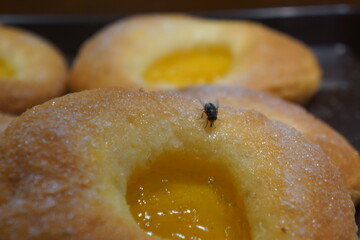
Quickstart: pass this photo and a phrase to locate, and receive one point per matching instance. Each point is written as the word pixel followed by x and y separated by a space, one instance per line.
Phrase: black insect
pixel 211 111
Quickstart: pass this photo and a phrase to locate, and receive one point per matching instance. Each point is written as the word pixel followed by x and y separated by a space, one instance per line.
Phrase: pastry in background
pixel 5 120
pixel 162 51
pixel 32 70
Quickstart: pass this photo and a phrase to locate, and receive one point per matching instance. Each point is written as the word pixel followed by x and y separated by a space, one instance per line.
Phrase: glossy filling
pixel 198 65
pixel 182 203
pixel 6 70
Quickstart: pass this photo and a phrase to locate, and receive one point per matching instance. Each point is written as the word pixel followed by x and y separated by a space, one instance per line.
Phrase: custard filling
pixel 199 65
pixel 178 203
pixel 6 70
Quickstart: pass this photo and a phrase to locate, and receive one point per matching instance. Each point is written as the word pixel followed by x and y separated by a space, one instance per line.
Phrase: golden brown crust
pixel 41 71
pixel 335 146
pixel 263 59
pixel 64 167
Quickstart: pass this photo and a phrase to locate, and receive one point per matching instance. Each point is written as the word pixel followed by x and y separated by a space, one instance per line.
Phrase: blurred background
pixel 130 6
pixel 329 27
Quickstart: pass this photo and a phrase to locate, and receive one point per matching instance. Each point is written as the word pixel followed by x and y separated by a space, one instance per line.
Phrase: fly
pixel 211 111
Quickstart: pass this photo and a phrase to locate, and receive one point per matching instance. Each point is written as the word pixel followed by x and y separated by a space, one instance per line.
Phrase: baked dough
pixel 335 146
pixel 31 70
pixel 169 51
pixel 80 167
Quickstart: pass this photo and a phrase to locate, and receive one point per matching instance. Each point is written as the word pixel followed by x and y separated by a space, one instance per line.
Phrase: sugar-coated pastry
pixel 161 51
pixel 31 70
pixel 123 164
pixel 335 146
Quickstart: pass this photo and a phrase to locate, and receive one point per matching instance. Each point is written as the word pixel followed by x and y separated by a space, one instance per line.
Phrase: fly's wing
pixel 202 102
pixel 202 109
pixel 217 104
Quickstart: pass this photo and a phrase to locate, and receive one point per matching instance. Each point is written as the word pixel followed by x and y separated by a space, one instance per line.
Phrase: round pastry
pixel 31 70
pixel 5 120
pixel 335 146
pixel 121 164
pixel 169 51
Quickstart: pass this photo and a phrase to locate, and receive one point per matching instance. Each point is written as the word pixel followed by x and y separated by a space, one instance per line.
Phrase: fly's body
pixel 211 111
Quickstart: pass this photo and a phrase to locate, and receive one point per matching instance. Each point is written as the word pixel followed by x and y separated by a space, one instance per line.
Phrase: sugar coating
pixel 335 146
pixel 64 167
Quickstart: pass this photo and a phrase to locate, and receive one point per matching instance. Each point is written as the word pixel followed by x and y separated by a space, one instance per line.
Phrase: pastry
pixel 5 120
pixel 162 51
pixel 122 164
pixel 31 70
pixel 335 146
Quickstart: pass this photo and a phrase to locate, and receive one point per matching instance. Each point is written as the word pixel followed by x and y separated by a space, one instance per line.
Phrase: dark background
pixel 131 6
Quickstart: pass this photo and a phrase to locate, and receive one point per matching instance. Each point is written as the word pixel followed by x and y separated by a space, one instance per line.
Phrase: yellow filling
pixel 6 70
pixel 198 65
pixel 178 203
